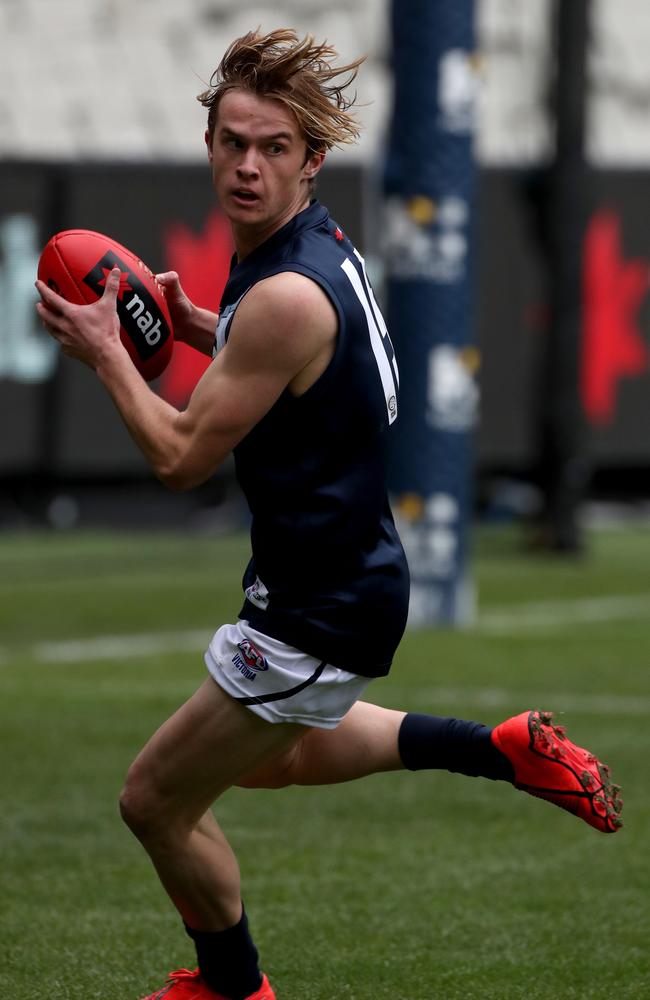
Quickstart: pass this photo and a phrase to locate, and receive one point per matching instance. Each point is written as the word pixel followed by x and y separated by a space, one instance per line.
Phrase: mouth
pixel 244 196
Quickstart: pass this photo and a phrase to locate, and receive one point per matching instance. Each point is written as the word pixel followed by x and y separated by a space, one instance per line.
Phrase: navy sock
pixel 431 742
pixel 228 960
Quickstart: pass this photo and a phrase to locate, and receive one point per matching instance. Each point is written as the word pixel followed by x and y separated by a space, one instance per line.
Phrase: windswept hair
pixel 298 73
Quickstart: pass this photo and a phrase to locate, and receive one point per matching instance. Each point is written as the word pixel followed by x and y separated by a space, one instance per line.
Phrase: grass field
pixel 401 887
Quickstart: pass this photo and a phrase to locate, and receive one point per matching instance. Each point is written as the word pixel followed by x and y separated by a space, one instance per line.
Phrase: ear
pixel 208 144
pixel 313 163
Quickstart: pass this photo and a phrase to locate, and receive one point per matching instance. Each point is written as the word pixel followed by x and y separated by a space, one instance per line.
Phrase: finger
pixel 53 301
pixel 112 285
pixel 49 317
pixel 168 278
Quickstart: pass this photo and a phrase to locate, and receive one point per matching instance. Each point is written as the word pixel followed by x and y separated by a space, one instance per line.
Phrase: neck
pixel 248 237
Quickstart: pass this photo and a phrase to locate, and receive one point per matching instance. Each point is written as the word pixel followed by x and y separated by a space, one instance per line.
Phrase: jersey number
pixel 380 342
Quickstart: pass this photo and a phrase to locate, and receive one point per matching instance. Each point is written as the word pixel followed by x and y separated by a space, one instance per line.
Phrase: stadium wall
pixel 58 424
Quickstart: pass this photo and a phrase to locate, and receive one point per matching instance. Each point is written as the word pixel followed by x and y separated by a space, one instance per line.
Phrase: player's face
pixel 260 167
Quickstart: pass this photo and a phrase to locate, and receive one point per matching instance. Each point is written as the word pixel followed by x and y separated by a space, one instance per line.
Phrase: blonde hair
pixel 298 73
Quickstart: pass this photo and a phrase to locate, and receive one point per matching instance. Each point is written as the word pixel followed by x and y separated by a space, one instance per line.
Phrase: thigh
pixel 365 742
pixel 203 749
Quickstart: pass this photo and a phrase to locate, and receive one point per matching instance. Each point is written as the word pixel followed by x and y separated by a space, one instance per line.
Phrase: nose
pixel 247 166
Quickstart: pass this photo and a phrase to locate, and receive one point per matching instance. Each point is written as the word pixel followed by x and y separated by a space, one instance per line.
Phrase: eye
pixel 275 148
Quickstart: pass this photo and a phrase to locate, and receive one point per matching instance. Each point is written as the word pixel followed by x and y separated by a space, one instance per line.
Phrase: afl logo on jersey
pixel 252 656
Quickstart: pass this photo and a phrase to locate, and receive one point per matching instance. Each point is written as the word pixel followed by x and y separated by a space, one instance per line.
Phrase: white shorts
pixel 278 682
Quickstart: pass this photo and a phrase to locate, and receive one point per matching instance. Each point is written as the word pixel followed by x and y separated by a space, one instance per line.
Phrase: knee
pixel 134 810
pixel 142 808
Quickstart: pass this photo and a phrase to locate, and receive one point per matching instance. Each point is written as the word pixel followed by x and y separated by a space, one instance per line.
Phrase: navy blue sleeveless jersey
pixel 328 573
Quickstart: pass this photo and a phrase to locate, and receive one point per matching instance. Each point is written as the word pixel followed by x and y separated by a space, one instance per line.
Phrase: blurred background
pixel 100 129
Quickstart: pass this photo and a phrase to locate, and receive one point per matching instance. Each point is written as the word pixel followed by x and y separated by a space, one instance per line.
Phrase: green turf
pixel 400 887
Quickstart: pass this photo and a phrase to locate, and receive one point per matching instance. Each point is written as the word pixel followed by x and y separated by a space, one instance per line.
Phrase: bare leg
pixel 194 757
pixel 365 742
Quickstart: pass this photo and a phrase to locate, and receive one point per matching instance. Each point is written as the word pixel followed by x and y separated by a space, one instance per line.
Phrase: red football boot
pixel 550 766
pixel 186 985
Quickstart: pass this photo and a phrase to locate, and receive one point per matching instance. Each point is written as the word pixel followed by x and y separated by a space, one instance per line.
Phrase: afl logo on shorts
pixel 252 656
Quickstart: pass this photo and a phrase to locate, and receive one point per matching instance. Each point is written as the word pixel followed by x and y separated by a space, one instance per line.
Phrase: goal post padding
pixel 429 187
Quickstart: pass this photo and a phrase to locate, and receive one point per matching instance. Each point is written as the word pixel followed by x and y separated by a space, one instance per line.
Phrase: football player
pixel 303 389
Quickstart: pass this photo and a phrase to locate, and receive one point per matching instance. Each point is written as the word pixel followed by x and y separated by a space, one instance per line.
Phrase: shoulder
pixel 287 293
pixel 287 310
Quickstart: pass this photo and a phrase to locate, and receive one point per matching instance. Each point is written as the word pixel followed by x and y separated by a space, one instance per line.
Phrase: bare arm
pixel 283 335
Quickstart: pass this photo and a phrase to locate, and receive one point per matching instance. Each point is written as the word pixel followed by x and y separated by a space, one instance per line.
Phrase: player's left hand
pixel 180 307
pixel 84 332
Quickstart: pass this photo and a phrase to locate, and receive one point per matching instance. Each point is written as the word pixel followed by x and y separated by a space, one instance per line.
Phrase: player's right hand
pixel 84 332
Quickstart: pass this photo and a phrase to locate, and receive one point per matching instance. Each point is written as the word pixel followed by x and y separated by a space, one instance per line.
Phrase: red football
pixel 76 262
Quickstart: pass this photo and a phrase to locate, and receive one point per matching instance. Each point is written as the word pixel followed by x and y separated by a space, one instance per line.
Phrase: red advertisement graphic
pixel 613 344
pixel 202 261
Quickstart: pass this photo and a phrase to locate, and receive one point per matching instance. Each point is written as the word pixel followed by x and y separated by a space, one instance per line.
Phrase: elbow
pixel 178 477
pixel 176 481
pixel 186 462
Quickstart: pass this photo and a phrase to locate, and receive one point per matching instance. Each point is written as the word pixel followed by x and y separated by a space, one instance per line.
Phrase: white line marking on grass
pixel 503 620
pixel 124 647
pixel 557 614
pixel 121 647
